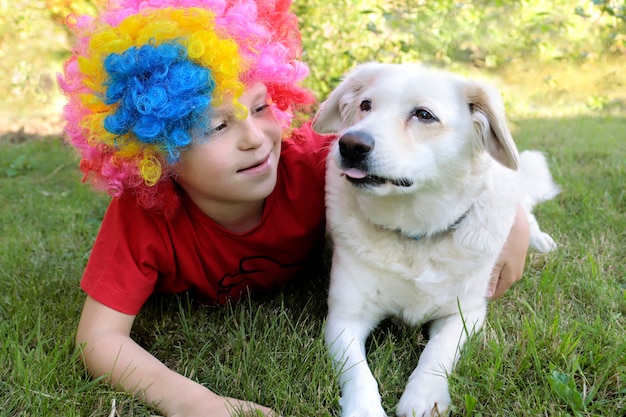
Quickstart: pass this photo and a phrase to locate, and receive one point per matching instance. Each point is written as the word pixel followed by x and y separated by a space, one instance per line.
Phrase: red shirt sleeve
pixel 129 251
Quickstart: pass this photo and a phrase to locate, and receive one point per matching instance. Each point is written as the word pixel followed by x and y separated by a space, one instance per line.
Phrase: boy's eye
pixel 214 129
pixel 261 108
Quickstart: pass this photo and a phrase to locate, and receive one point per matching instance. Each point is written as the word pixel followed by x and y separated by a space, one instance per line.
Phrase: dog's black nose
pixel 355 146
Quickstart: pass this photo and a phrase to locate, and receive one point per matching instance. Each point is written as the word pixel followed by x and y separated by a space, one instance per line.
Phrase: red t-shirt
pixel 138 253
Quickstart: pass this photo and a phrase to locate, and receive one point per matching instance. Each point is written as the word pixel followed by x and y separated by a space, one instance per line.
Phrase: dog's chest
pixel 412 279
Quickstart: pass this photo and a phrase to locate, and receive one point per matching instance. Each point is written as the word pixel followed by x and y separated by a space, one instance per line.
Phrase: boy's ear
pixel 339 108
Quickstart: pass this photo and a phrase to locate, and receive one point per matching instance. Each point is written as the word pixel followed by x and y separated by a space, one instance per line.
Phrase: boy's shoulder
pixel 306 138
pixel 125 217
pixel 305 144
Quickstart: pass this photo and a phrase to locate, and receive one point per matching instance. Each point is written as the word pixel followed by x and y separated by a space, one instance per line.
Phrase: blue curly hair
pixel 161 95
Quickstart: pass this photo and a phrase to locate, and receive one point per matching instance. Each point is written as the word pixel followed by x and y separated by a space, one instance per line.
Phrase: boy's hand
pixel 209 404
pixel 510 264
pixel 194 400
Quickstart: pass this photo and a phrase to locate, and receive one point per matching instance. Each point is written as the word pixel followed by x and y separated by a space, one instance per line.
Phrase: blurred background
pixel 549 58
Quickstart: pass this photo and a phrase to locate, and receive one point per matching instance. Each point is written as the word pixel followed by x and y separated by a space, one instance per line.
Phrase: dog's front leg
pixel 345 339
pixel 427 391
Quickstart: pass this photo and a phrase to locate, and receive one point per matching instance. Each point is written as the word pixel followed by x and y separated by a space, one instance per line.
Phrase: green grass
pixel 554 345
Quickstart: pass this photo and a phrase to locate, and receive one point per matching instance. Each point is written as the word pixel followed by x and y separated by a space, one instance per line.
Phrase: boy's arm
pixel 510 264
pixel 104 337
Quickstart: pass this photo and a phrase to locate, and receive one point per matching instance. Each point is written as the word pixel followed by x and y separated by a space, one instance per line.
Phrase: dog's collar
pixel 449 229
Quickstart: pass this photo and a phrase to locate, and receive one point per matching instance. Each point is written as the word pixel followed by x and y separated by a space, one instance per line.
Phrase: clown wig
pixel 144 75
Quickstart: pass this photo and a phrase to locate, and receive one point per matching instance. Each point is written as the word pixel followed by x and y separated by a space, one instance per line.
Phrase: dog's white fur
pixel 421 251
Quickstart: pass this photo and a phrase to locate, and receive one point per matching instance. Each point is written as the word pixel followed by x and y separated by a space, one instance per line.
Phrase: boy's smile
pixel 259 168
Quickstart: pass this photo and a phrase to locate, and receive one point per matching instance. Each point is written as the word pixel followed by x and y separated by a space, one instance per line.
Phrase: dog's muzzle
pixel 355 148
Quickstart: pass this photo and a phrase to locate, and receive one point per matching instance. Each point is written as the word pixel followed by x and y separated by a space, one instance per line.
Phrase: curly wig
pixel 145 73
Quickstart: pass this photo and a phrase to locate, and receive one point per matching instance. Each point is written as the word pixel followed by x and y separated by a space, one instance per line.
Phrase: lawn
pixel 554 345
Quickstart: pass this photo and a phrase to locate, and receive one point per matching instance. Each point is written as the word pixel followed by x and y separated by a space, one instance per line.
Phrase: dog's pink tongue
pixel 354 173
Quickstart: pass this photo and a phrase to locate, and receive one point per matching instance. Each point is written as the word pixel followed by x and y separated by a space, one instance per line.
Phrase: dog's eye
pixel 424 115
pixel 366 105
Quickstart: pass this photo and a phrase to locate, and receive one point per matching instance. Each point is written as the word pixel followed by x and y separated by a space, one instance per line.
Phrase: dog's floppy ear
pixel 490 123
pixel 338 106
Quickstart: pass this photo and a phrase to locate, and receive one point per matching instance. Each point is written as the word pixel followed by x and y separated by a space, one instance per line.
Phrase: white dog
pixel 422 190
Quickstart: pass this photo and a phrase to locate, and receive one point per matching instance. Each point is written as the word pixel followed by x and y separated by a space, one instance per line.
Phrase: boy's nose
pixel 251 134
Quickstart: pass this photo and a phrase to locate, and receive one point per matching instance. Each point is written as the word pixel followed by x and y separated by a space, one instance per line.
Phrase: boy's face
pixel 237 161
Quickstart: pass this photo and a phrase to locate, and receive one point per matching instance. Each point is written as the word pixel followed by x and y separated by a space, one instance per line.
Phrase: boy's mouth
pixel 256 168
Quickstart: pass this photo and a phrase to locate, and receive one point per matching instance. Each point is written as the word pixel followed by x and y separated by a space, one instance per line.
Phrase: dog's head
pixel 402 126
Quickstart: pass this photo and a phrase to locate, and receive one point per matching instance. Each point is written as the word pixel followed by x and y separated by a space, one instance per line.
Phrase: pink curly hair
pixel 238 41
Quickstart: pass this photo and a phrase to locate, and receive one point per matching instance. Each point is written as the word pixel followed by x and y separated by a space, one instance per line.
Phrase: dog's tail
pixel 537 182
pixel 537 186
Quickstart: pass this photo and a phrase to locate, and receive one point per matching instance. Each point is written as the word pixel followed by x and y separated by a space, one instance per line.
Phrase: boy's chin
pixel 263 190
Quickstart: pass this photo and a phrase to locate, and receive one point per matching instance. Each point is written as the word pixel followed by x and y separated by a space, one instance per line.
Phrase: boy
pixel 181 111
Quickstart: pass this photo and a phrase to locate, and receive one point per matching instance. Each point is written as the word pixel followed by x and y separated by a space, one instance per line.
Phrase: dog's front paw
pixel 424 402
pixel 362 407
pixel 542 242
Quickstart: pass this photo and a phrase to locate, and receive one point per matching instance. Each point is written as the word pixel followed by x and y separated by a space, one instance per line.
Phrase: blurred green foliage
pixel 483 33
